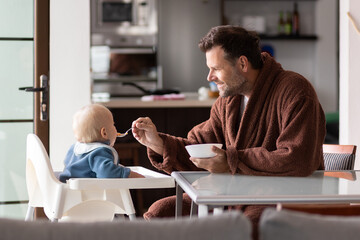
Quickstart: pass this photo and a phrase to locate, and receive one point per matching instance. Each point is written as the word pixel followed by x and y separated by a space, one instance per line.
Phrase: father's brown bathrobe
pixel 280 133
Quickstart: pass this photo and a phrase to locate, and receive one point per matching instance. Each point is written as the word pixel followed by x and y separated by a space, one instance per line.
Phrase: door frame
pixel 41 66
pixel 41 63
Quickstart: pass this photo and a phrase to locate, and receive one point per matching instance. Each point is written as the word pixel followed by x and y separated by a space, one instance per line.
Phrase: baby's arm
pixel 101 162
pixel 135 175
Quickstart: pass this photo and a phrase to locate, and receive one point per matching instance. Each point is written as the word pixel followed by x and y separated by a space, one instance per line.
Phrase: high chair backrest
pixel 43 187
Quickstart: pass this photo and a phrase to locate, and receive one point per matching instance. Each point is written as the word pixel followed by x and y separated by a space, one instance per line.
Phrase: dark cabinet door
pixel 180 121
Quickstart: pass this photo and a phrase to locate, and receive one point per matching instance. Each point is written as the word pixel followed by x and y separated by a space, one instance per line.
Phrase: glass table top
pixel 320 187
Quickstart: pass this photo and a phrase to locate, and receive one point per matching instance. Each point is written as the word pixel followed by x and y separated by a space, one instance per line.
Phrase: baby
pixel 93 155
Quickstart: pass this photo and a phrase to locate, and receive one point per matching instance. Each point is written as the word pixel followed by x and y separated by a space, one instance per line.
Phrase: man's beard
pixel 234 89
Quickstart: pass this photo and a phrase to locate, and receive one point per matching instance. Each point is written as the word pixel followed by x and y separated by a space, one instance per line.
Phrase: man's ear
pixel 103 133
pixel 243 63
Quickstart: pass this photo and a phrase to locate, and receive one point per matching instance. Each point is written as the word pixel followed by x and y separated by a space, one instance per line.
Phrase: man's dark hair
pixel 235 41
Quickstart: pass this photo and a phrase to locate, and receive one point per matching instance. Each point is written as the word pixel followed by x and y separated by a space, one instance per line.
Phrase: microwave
pixel 119 23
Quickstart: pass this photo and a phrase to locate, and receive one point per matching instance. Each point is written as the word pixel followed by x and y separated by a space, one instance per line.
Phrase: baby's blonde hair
pixel 88 121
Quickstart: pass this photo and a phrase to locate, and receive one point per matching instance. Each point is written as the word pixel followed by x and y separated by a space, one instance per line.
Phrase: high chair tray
pixel 152 180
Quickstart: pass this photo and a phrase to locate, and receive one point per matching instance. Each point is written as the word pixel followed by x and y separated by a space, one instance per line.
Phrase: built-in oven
pixel 119 23
pixel 124 47
pixel 124 72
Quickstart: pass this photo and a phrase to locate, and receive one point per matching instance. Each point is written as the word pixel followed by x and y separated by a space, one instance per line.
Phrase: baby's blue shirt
pixel 94 163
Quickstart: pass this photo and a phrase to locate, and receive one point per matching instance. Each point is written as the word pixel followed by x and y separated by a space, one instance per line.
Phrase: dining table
pixel 214 191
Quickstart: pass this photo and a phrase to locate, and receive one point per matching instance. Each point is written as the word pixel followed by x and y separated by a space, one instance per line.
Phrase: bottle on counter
pixel 281 23
pixel 214 91
pixel 295 21
pixel 288 24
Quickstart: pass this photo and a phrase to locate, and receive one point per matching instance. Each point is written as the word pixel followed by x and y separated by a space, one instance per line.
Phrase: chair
pixel 339 157
pixel 336 157
pixel 59 201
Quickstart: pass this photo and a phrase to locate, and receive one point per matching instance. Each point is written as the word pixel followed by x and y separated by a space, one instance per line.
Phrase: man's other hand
pixel 217 164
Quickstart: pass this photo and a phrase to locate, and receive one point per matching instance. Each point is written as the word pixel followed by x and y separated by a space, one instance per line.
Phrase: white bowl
pixel 202 150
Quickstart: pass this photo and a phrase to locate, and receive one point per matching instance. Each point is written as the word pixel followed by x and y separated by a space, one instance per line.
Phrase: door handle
pixel 32 89
pixel 44 96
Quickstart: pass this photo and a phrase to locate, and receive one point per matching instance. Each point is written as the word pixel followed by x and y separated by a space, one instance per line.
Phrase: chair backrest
pixel 285 225
pixel 339 157
pixel 42 185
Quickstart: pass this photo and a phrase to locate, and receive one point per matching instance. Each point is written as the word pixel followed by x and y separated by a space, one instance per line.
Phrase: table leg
pixel 179 200
pixel 132 217
pixel 203 210
pixel 218 210
pixel 194 209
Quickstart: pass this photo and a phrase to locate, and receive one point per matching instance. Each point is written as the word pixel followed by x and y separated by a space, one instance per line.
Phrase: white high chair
pixel 60 202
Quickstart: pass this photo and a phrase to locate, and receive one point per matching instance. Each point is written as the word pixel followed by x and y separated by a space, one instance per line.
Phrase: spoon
pixel 123 134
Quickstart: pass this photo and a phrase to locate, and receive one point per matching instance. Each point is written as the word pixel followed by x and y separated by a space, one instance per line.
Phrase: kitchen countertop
pixel 191 101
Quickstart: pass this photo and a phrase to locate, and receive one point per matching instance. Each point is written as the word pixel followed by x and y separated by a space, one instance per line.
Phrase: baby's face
pixel 110 128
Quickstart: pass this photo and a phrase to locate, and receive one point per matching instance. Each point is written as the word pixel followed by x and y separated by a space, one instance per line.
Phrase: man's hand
pixel 144 131
pixel 217 164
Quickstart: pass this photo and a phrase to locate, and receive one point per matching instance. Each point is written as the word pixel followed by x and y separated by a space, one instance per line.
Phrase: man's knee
pixel 165 207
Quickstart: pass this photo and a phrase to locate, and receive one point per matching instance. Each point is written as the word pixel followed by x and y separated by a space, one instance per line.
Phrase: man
pixel 269 120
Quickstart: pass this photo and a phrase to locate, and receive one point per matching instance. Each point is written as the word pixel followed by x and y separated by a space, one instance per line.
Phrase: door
pixel 23 58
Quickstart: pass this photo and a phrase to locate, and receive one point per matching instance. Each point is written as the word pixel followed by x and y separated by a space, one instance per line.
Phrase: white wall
pixel 326 59
pixel 350 75
pixel 182 23
pixel 69 71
